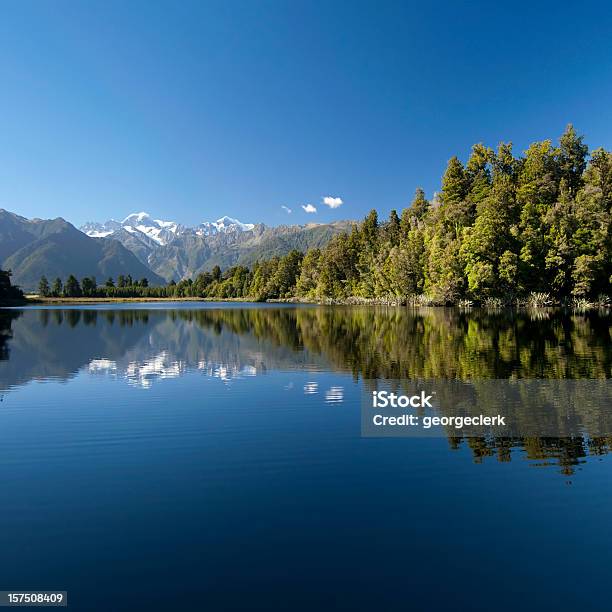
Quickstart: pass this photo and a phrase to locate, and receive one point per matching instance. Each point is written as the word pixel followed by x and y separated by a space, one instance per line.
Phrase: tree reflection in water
pixel 368 342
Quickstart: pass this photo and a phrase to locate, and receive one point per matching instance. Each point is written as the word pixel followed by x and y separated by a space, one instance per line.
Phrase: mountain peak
pixel 224 224
pixel 138 217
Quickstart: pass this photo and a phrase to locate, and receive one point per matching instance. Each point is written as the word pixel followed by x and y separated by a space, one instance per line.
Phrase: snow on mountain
pixel 223 225
pixel 160 231
pixel 100 230
pixel 99 234
pixel 137 219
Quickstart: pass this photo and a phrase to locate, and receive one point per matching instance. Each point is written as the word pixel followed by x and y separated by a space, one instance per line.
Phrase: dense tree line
pixel 88 287
pixel 501 230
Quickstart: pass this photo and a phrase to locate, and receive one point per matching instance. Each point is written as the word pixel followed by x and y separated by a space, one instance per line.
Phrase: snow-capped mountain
pixel 162 232
pixel 223 225
pixel 158 230
pixel 100 230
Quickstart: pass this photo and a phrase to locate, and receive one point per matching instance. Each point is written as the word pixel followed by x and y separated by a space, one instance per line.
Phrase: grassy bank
pixel 531 301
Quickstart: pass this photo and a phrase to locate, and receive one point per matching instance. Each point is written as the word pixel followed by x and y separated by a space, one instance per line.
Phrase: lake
pixel 209 456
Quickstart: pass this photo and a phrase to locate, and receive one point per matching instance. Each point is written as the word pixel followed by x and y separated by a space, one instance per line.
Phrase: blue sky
pixel 195 110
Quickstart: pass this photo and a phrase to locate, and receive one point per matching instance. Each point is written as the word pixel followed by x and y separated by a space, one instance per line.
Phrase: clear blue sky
pixel 194 110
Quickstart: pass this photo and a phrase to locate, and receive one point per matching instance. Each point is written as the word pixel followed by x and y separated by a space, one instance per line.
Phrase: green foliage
pixel 8 292
pixel 418 209
pixel 478 174
pixel 72 287
pixel 57 289
pixel 283 282
pixel 88 286
pixel 393 229
pixel 571 158
pixel 369 230
pixel 43 287
pixel 309 274
pixel 454 182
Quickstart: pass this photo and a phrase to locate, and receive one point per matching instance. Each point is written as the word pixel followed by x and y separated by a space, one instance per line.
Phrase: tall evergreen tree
pixel 571 158
pixel 369 230
pixel 454 182
pixel 419 205
pixel 88 286
pixel 478 175
pixel 393 228
pixel 559 258
pixel 43 287
pixel 57 288
pixel 72 287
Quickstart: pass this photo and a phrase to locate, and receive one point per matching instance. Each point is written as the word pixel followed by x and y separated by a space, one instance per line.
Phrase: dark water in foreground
pixel 181 459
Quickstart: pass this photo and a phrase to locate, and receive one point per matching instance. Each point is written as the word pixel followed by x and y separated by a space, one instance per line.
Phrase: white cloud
pixel 332 202
pixel 309 208
pixel 286 209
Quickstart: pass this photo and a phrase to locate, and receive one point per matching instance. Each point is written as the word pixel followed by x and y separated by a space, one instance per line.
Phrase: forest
pixel 503 229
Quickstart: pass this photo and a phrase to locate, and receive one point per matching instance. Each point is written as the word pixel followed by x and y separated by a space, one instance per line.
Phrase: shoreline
pixel 34 300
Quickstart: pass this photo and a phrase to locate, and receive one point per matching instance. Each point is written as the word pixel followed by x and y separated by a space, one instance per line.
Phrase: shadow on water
pixel 369 343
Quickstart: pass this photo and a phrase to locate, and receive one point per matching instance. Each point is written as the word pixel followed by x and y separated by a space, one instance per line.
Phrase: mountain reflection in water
pixel 143 347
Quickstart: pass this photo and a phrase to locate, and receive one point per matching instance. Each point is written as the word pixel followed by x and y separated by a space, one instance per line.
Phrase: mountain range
pixel 144 247
pixel 160 231
pixel 175 251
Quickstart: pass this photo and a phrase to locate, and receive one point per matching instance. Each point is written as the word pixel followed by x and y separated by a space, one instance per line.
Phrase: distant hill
pixel 32 248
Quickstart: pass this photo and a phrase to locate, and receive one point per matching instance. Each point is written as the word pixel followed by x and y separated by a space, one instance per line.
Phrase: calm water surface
pixel 175 457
